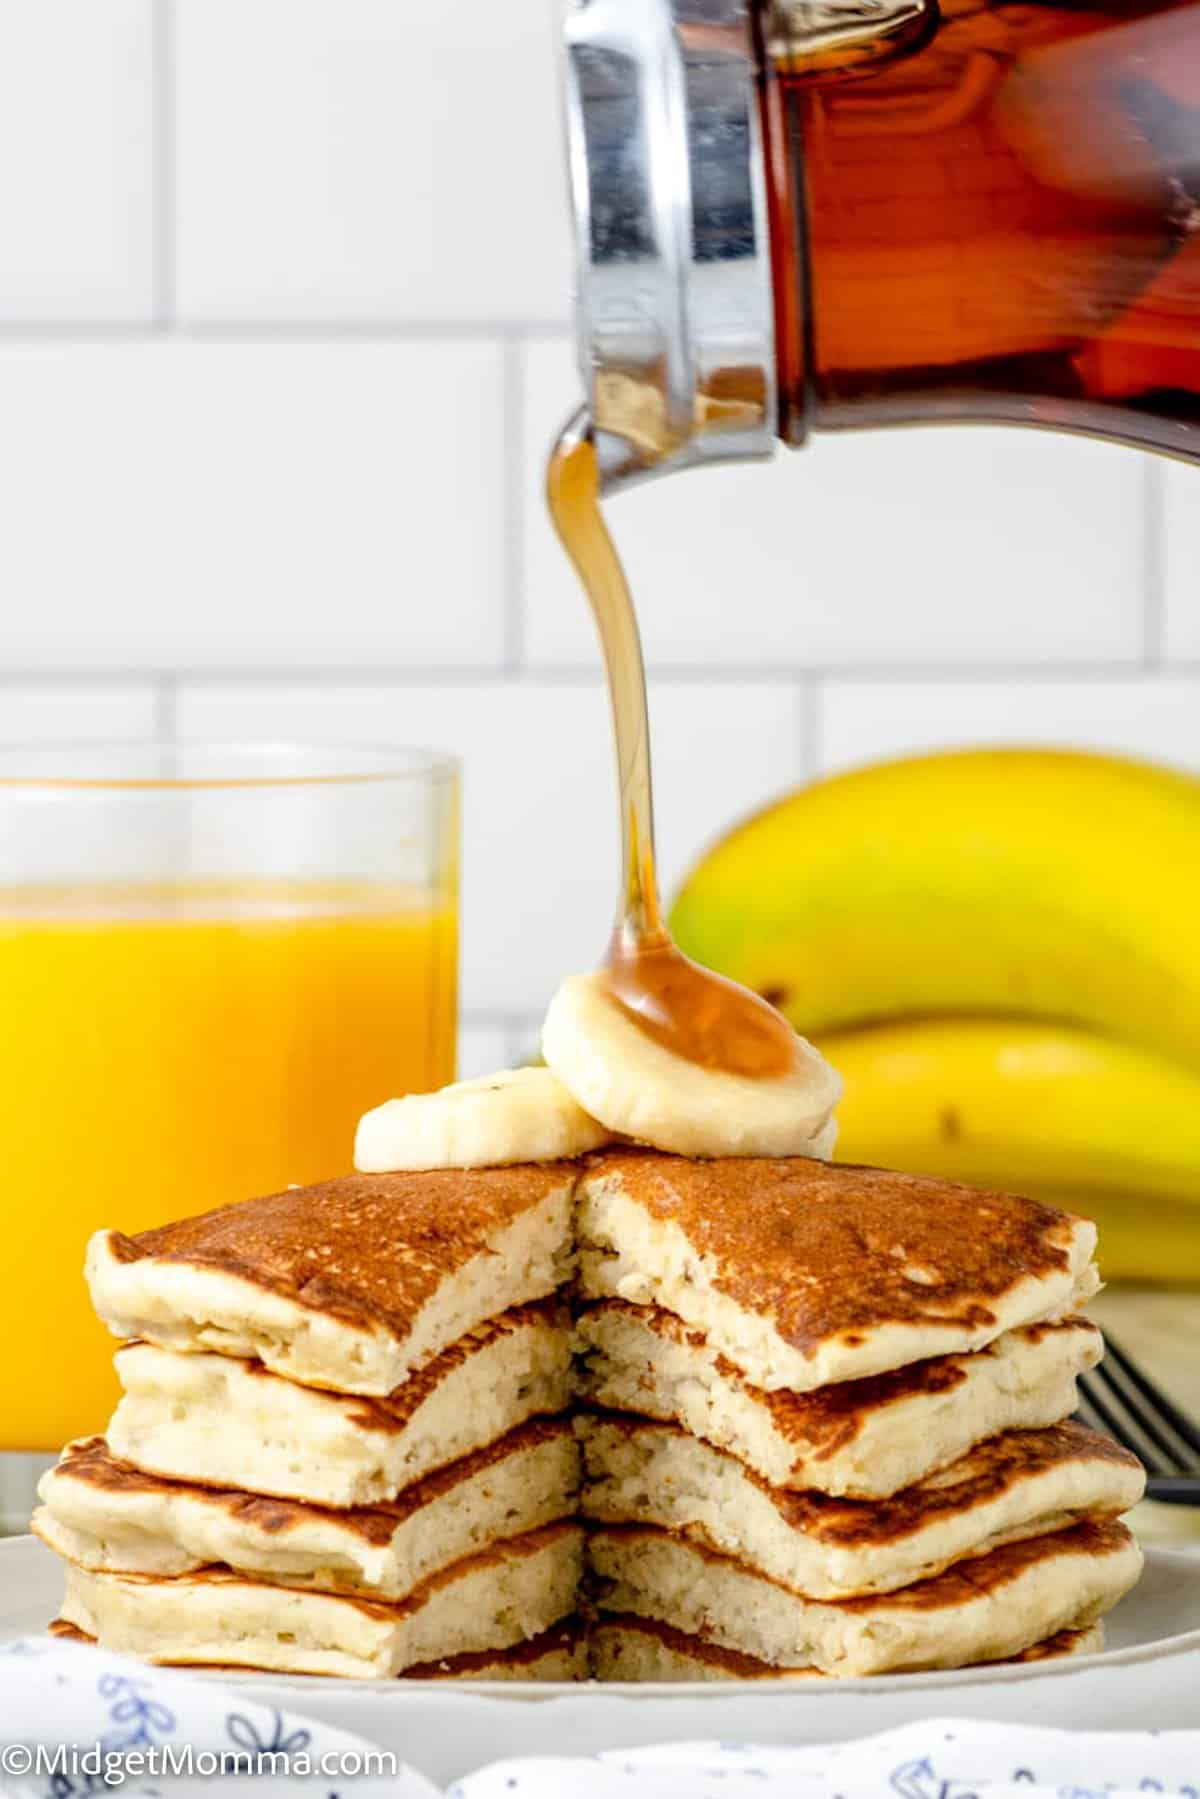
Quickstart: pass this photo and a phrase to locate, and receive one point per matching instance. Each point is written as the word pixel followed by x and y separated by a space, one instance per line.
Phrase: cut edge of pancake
pixel 108 1517
pixel 985 1610
pixel 626 1648
pixel 494 1601
pixel 1010 1489
pixel 556 1654
pixel 183 1303
pixel 626 1252
pixel 882 1434
pixel 243 1424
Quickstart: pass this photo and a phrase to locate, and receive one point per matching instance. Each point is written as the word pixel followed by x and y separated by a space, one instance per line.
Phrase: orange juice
pixel 164 1051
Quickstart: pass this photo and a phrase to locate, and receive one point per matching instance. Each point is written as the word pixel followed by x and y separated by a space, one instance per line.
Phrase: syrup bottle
pixel 807 215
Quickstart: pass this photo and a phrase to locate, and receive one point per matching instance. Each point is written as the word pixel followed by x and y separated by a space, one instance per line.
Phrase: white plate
pixel 1148 1678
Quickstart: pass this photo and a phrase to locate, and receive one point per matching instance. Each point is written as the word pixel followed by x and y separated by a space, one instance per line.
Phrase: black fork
pixel 1120 1399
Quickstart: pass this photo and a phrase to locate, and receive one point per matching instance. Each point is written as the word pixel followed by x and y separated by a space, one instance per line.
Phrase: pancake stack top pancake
pixel 821 1412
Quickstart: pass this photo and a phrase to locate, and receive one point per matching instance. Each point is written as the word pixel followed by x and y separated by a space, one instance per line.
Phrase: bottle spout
pixel 675 316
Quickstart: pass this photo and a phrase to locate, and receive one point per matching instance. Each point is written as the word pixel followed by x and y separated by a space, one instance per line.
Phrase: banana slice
pixel 641 1090
pixel 823 1142
pixel 517 1115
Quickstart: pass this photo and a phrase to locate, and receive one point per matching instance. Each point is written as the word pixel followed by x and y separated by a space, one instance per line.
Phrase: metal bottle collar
pixel 675 315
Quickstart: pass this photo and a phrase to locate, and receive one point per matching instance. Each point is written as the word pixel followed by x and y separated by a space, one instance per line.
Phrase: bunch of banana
pixel 1000 952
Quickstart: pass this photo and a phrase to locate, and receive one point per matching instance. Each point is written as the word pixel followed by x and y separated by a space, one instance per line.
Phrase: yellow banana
pixel 1096 1126
pixel 1026 882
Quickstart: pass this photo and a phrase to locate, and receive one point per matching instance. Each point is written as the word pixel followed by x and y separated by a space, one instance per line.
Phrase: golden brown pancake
pixel 985 1474
pixel 866 1437
pixel 228 1422
pixel 804 1273
pixel 559 1653
pixel 104 1514
pixel 984 1609
pixel 629 1648
pixel 353 1284
pixel 491 1601
pixel 1021 1485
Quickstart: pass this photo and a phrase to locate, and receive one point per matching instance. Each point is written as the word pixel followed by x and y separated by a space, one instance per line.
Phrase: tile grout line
pixel 512 460
pixel 298 331
pixel 166 709
pixel 164 154
pixel 483 328
pixel 697 674
pixel 900 674
pixel 810 724
pixel 17 333
pixel 1154 610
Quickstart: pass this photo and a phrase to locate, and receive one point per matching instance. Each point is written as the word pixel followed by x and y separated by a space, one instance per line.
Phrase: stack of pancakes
pixel 822 1414
pixel 343 1446
pixel 829 1428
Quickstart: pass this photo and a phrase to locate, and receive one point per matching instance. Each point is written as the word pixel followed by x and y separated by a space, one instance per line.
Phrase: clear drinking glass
pixel 213 959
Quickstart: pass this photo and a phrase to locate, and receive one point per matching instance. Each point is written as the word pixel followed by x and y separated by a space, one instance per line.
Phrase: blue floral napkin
pixel 77 1722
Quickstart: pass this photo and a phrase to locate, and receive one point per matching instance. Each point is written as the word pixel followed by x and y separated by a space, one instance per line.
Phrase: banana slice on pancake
pixel 824 1141
pixel 516 1115
pixel 640 1089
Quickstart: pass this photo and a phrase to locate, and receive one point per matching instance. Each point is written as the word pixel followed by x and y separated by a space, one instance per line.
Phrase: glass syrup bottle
pixel 807 215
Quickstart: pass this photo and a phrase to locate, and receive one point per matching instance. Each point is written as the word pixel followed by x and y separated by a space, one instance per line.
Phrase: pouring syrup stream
pixel 697 1015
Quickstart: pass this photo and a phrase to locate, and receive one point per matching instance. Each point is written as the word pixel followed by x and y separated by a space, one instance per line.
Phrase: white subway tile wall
pixel 284 301
pixel 77 162
pixel 368 159
pixel 1181 565
pixel 74 712
pixel 266 504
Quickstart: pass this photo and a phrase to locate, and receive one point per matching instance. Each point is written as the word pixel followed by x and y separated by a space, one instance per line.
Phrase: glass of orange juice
pixel 213 959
